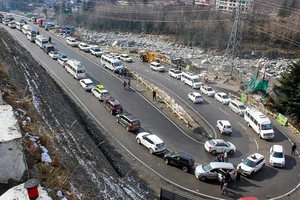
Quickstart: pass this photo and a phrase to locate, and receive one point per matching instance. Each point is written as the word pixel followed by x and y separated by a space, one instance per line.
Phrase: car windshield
pixel 89 84
pixel 160 145
pixel 44 41
pixel 117 64
pixel 84 45
pixel 210 89
pixel 226 143
pixel 198 97
pixel 196 80
pixel 81 71
pixel 225 97
pixel 117 106
pixel 96 49
pixel 206 167
pixel 266 126
pixel 73 40
pixel 177 72
pixel 135 123
pixel 126 56
pixel 242 107
pixel 249 163
pixel 278 154
pixel 105 93
pixel 211 142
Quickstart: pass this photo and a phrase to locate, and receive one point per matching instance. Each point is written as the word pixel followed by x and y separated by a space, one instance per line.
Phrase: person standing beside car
pixel 294 147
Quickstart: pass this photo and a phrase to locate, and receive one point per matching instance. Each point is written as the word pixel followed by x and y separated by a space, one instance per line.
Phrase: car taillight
pixel 112 107
pixel 130 124
pixel 222 129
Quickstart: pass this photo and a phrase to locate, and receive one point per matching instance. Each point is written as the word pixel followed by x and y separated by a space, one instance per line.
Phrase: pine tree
pixel 290 87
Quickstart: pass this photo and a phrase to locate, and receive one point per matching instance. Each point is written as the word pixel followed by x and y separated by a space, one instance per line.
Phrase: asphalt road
pixel 262 184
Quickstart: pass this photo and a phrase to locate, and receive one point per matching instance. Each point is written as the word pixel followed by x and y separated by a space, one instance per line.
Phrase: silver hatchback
pixel 213 169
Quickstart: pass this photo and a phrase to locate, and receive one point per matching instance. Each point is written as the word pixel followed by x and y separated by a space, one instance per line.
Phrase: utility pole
pixel 234 43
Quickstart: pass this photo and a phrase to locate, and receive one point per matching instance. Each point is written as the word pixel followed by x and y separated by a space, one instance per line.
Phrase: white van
pixel 260 123
pixel 26 28
pixel 191 79
pixel 157 67
pixel 19 25
pixel 237 107
pixel 111 63
pixel 76 69
pixel 31 35
pixel 41 41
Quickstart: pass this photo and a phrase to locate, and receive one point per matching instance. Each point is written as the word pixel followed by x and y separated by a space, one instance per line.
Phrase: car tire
pixel 167 161
pixel 127 128
pixel 185 169
pixel 151 151
pixel 259 135
pixel 214 152
pixel 138 141
pixel 251 175
pixel 231 151
pixel 203 178
pixel 248 124
pixel 111 112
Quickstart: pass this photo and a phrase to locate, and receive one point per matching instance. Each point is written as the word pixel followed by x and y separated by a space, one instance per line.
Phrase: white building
pixel 12 162
pixel 229 5
pixel 204 2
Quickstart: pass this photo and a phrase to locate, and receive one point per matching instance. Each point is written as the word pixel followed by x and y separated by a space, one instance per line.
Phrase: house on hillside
pixel 230 5
pixel 204 2
pixel 12 159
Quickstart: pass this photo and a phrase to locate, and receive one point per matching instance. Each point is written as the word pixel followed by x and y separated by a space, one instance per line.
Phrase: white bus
pixel 41 41
pixel 191 79
pixel 19 25
pixel 260 123
pixel 111 63
pixel 26 28
pixel 76 69
pixel 31 35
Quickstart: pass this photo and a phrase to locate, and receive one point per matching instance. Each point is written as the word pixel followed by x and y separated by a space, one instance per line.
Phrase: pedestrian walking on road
pixel 294 147
pixel 124 84
pixel 224 189
pixel 238 173
pixel 154 95
pixel 120 72
pixel 227 177
pixel 125 72
pixel 225 157
pixel 129 83
pixel 222 181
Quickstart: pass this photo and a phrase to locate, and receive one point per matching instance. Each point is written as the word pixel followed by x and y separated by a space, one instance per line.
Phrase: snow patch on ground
pixel 45 156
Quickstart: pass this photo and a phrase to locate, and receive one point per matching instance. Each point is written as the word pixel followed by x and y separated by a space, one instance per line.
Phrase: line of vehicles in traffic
pixel 152 142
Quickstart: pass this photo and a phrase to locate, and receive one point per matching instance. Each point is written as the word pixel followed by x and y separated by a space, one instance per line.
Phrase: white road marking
pixel 242 126
pixel 223 111
pixel 256 143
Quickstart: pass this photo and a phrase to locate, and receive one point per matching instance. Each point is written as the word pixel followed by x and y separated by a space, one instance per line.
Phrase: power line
pixel 286 8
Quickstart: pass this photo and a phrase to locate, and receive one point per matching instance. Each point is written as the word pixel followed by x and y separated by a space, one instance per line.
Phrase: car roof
pixel 222 93
pixel 155 139
pixel 226 165
pixel 87 80
pixel 130 116
pixel 237 102
pixel 225 122
pixel 257 155
pixel 277 148
pixel 114 102
pixel 219 141
pixel 103 90
pixel 155 63
pixel 196 93
pixel 83 43
pixel 184 155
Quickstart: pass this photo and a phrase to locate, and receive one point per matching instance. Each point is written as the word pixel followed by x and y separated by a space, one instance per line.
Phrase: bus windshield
pixel 196 80
pixel 117 64
pixel 266 126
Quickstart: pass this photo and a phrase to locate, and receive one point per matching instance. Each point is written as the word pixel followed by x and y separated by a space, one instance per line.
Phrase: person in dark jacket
pixel 294 147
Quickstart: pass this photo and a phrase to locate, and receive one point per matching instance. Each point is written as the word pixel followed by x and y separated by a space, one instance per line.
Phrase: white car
pixel 115 55
pixel 86 84
pixel 5 21
pixel 152 142
pixel 224 126
pixel 96 51
pixel 72 42
pixel 157 67
pixel 102 95
pixel 252 164
pixel 222 97
pixel 62 60
pixel 175 73
pixel 54 54
pixel 195 97
pixel 215 146
pixel 12 24
pixel 84 47
pixel 277 157
pixel 126 58
pixel 208 91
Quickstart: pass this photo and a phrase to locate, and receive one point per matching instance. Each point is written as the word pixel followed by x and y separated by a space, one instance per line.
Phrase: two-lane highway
pixel 154 121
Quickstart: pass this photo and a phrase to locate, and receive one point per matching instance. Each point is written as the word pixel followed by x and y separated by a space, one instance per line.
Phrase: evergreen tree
pixel 284 9
pixel 290 87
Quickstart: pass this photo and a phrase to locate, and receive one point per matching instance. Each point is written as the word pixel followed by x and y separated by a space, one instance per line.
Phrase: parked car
pixel 156 67
pixel 129 121
pixel 208 91
pixel 113 106
pixel 224 127
pixel 175 73
pixel 215 146
pixel 126 58
pixel 152 142
pixel 62 60
pixel 84 47
pixel 102 95
pixel 212 170
pixel 277 156
pixel 180 160
pixel 222 97
pixel 96 51
pixel 237 107
pixel 72 42
pixel 54 54
pixel 86 84
pixel 252 164
pixel 195 97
